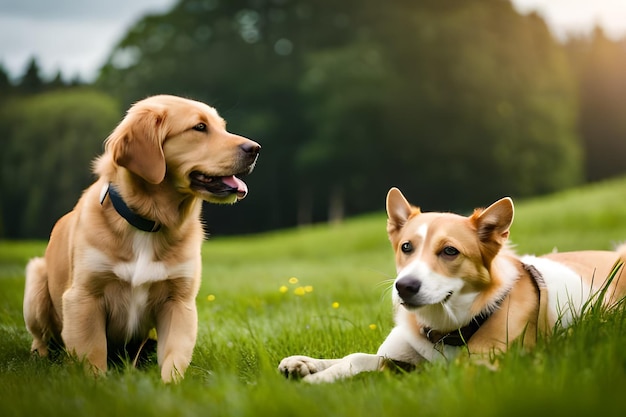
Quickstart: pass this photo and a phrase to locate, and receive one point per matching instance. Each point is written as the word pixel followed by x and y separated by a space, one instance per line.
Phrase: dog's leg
pixel 177 327
pixel 401 347
pixel 84 327
pixel 395 348
pixel 38 309
pixel 302 366
pixel 329 370
pixel 406 346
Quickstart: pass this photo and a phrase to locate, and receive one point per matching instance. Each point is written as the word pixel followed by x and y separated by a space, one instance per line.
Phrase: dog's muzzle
pixel 223 186
pixel 408 288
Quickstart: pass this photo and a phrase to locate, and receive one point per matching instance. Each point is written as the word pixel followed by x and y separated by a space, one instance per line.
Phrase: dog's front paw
pixel 298 366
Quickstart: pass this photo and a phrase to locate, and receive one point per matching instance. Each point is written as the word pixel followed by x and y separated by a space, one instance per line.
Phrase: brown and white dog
pixel 126 259
pixel 460 287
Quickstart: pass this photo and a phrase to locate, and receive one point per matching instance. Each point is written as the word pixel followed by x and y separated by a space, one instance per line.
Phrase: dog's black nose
pixel 251 147
pixel 407 287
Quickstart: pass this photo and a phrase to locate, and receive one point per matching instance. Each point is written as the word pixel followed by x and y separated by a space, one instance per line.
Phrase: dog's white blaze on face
pixel 422 231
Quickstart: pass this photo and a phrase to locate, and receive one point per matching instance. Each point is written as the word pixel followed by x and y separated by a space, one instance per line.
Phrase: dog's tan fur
pixel 103 283
pixel 453 269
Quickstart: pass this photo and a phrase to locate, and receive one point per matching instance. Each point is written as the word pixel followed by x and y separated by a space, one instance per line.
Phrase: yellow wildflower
pixel 308 288
pixel 335 304
pixel 299 291
pixel 283 289
pixel 372 326
pixel 210 297
pixel 293 280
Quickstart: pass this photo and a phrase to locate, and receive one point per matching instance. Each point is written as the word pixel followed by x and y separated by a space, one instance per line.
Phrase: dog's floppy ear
pixel 137 144
pixel 399 210
pixel 494 222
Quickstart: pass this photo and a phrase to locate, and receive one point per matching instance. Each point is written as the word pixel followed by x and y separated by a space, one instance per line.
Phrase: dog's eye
pixel 200 127
pixel 450 251
pixel 407 247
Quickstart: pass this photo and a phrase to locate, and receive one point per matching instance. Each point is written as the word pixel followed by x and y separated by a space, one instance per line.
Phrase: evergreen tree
pixel 56 83
pixel 31 81
pixel 5 82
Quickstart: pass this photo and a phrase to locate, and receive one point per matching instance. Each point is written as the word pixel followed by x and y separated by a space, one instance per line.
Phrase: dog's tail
pixel 38 309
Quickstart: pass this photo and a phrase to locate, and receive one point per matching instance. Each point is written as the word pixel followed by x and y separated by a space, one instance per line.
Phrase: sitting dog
pixel 460 287
pixel 126 259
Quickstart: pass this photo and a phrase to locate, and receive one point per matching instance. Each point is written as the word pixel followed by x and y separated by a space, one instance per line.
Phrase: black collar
pixel 123 210
pixel 460 337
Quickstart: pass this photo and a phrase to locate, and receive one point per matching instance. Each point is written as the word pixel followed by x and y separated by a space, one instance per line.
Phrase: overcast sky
pixel 76 36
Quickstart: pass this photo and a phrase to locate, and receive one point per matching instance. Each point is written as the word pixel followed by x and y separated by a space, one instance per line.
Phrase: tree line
pixel 457 103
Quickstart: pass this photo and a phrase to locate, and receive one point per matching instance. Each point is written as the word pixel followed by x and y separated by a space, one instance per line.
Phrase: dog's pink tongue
pixel 234 182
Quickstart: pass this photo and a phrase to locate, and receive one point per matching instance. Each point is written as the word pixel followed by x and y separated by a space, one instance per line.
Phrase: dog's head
pixel 444 259
pixel 185 142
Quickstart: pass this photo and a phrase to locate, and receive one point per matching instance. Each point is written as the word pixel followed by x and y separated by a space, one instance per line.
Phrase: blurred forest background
pixel 458 103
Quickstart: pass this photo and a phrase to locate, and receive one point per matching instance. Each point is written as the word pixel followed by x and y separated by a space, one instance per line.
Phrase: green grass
pixel 248 325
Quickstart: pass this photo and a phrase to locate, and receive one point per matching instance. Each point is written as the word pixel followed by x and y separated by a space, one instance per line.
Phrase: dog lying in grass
pixel 460 287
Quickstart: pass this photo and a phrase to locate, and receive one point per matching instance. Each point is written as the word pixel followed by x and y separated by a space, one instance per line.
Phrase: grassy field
pixel 324 291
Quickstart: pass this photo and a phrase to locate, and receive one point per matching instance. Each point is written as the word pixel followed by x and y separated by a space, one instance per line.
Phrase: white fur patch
pixel 139 272
pixel 142 268
pixel 136 307
pixel 434 289
pixel 422 231
pixel 567 293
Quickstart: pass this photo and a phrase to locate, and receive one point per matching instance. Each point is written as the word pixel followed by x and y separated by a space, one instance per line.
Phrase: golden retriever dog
pixel 126 259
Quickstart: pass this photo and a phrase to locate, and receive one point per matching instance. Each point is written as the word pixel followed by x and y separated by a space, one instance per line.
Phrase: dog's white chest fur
pixel 136 307
pixel 142 268
pixel 140 272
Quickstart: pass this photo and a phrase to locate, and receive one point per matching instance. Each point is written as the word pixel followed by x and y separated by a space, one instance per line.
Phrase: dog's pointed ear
pixel 137 144
pixel 494 222
pixel 399 210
